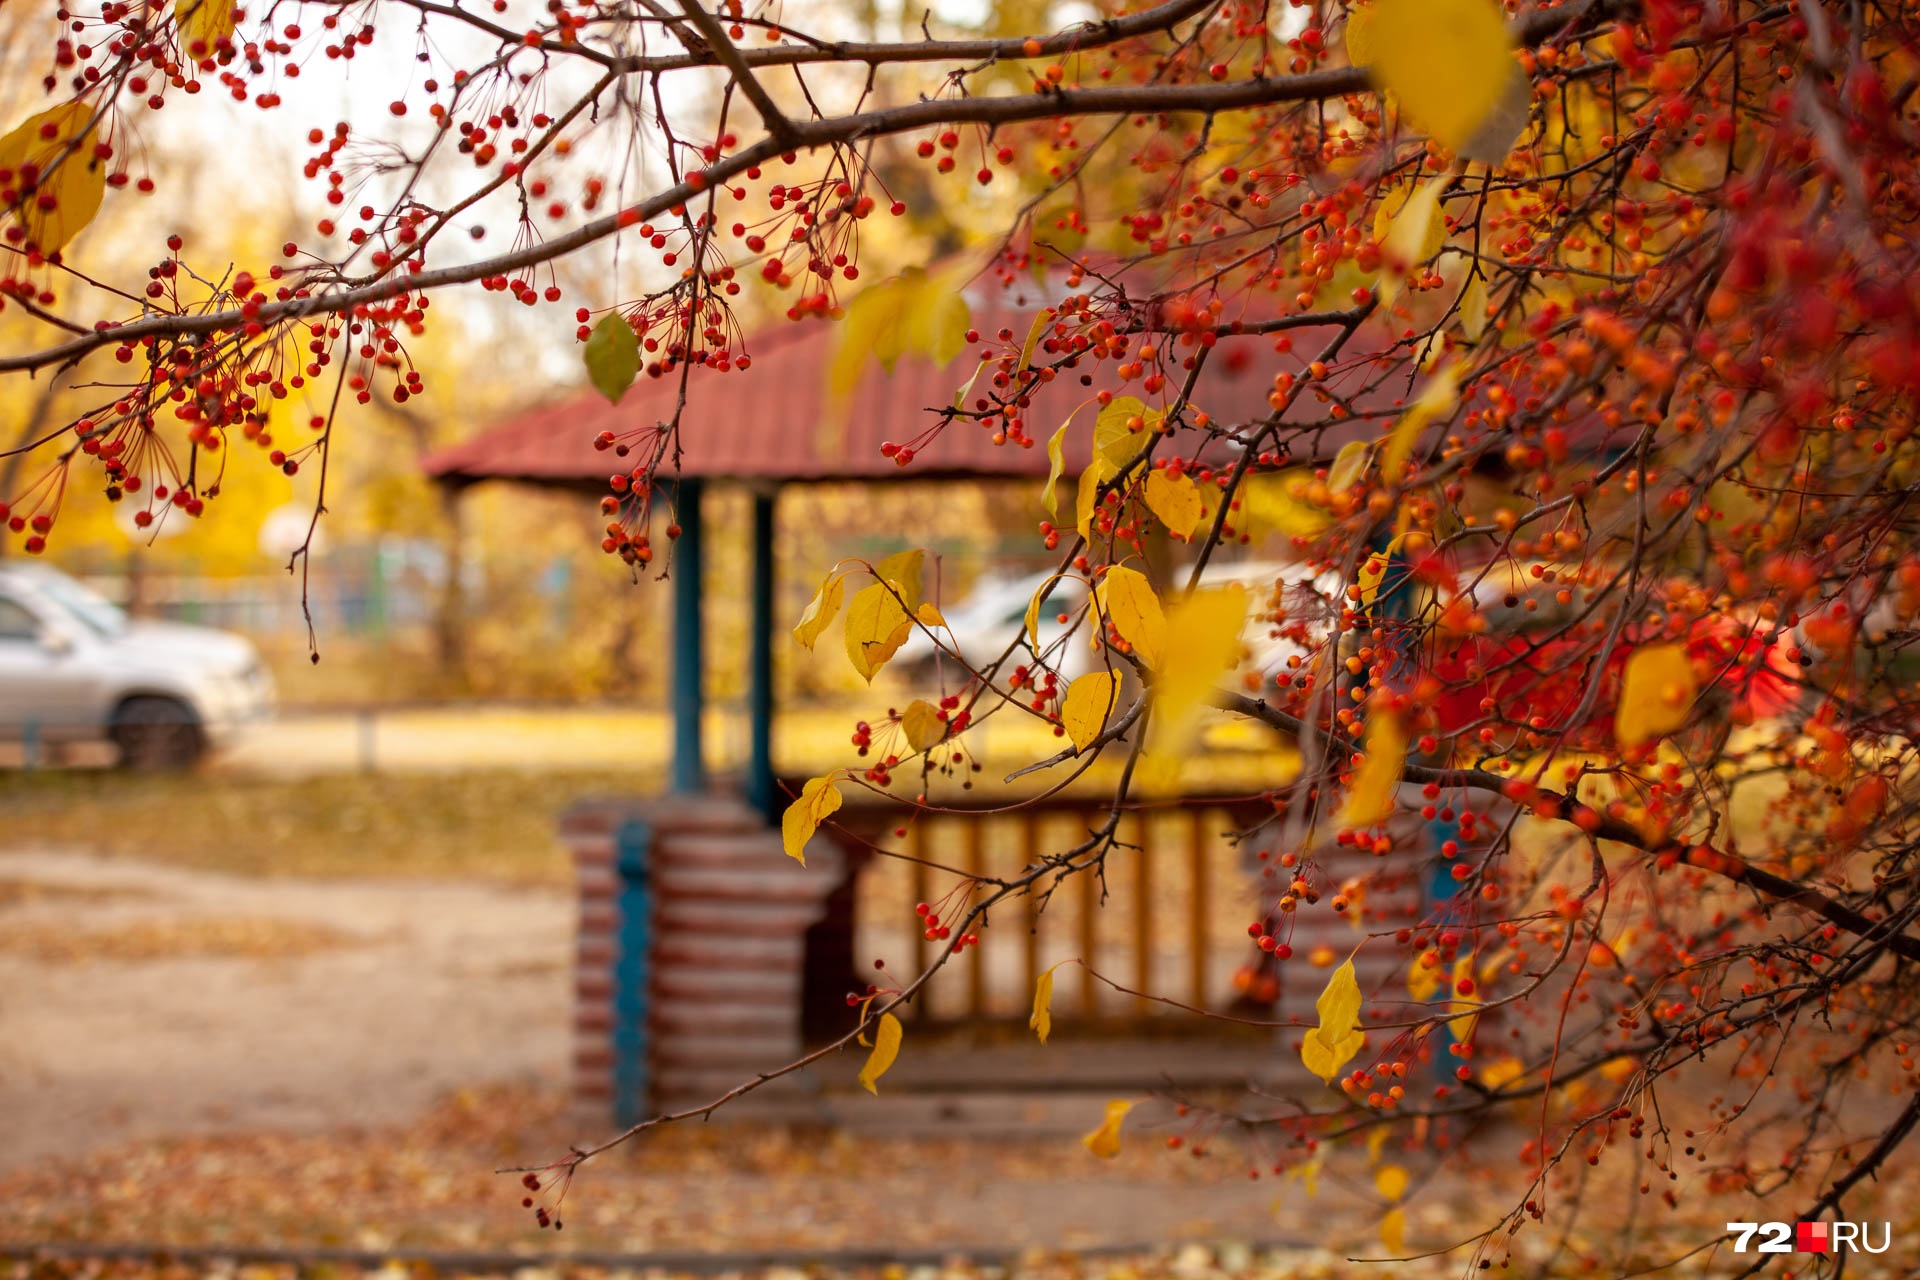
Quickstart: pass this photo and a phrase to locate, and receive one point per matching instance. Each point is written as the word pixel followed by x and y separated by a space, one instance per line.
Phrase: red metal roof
pixel 774 420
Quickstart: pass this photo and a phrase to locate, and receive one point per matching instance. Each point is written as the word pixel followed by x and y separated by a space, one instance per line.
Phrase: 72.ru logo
pixel 1808 1237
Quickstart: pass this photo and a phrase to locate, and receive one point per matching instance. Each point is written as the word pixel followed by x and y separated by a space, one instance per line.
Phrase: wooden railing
pixel 1168 918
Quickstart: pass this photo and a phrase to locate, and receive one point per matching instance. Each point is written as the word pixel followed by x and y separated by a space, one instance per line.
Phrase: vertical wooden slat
pixel 1143 913
pixel 1089 943
pixel 1197 909
pixel 976 969
pixel 1030 905
pixel 917 876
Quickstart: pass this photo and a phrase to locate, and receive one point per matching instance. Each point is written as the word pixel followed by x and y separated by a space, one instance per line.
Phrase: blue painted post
pixel 689 764
pixel 760 780
pixel 632 972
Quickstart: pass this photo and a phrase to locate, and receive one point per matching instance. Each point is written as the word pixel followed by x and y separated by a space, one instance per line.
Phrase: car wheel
pixel 155 734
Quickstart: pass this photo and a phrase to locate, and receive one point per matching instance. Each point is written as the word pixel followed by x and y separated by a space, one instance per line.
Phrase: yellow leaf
pixel 1370 802
pixel 1176 500
pixel 1040 323
pixel 877 625
pixel 1422 980
pixel 928 616
pixel 1393 1231
pixel 1332 1044
pixel 1407 224
pixel 1041 1019
pixel 1033 613
pixel 886 1047
pixel 922 725
pixel 818 801
pixel 1097 474
pixel 937 320
pixel 1056 462
pixel 1390 1180
pixel 51 182
pixel 820 610
pixel 203 24
pixel 1502 1072
pixel 1473 308
pixel 1349 465
pixel 1449 62
pixel 1373 571
pixel 1128 602
pixel 1464 1008
pixel 1359 39
pixel 1202 644
pixel 1273 501
pixel 1435 400
pixel 1105 1141
pixel 1085 709
pixel 902 568
pixel 1656 694
pixel 1115 440
pixel 874 327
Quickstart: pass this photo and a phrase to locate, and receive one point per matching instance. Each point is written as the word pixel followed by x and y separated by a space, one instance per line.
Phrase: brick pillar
pixel 727 976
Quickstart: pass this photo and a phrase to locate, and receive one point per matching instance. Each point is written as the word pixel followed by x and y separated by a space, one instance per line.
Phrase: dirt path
pixel 141 1001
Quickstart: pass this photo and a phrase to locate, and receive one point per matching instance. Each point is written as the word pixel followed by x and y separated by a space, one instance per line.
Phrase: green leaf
pixel 612 356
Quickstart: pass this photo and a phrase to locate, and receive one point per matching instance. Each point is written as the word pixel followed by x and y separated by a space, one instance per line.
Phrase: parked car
pixel 75 668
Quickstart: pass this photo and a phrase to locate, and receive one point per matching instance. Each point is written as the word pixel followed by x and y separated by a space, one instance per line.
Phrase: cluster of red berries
pixel 937 932
pixel 540 1214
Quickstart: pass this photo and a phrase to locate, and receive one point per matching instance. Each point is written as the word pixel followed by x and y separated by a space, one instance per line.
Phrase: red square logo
pixel 1811 1237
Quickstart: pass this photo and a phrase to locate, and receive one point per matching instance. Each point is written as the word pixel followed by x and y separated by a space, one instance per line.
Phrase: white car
pixel 75 668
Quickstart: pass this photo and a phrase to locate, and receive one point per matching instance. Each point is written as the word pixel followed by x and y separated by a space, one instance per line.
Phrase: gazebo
pixel 673 1007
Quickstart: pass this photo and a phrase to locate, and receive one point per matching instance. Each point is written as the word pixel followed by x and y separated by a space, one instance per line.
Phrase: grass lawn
pixel 495 825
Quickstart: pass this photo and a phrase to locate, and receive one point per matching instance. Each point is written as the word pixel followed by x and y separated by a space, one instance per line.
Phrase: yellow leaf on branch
pixel 821 610
pixel 1463 1005
pixel 1202 645
pixel 1375 782
pixel 1105 1141
pixel 817 802
pixel 51 182
pixel 1097 473
pixel 1275 502
pixel 1332 1044
pixel 877 625
pixel 1449 63
pixel 902 569
pixel 1033 613
pixel 1128 602
pixel 1124 428
pixel 922 725
pixel 1437 399
pixel 886 1047
pixel 1176 500
pixel 1041 1019
pixel 1656 694
pixel 1056 463
pixel 1089 701
pixel 203 25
